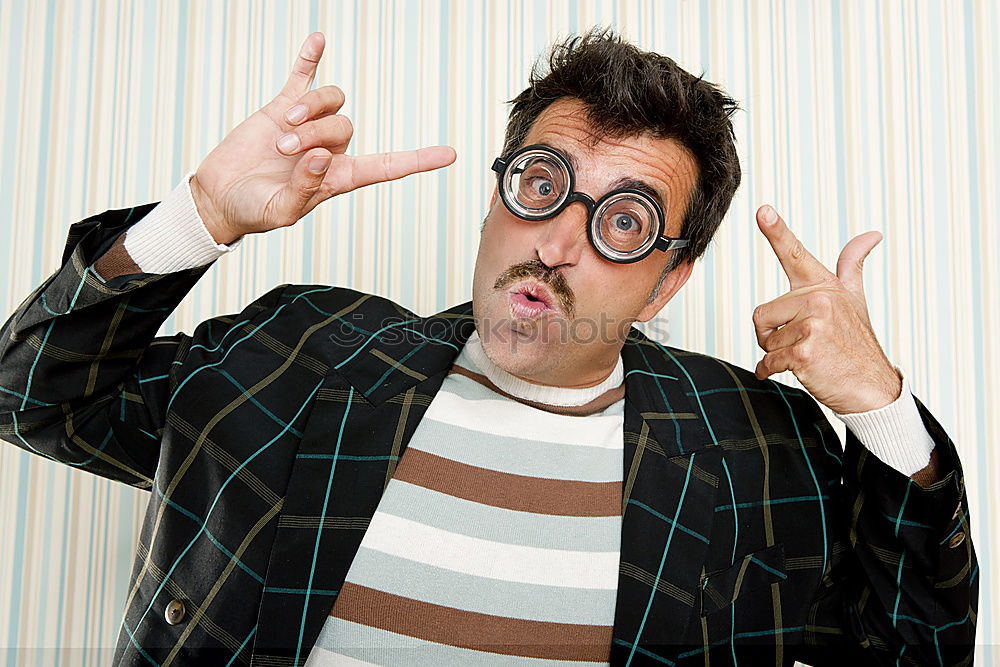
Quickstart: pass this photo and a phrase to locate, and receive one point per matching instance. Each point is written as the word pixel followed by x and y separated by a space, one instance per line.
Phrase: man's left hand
pixel 820 330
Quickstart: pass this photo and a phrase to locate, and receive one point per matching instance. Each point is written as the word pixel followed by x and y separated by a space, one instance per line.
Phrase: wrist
pixel 209 216
pixel 886 393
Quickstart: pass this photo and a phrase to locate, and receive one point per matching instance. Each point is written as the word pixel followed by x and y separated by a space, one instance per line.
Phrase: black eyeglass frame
pixel 661 242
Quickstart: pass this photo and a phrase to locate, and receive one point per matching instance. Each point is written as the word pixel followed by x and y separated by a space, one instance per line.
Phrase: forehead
pixel 599 160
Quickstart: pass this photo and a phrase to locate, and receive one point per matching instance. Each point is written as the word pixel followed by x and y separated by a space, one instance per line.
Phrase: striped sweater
pixel 497 539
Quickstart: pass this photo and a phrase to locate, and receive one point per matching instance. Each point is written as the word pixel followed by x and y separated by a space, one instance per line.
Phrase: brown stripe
pixel 116 261
pixel 541 495
pixel 470 629
pixel 590 407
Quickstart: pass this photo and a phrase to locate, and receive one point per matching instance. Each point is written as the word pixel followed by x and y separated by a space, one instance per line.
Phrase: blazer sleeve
pixel 83 379
pixel 902 582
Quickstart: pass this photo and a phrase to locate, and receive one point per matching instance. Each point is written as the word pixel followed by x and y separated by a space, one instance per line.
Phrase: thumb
pixel 852 259
pixel 293 200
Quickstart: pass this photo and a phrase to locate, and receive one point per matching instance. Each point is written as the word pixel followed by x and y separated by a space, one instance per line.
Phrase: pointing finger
pixel 799 265
pixel 304 68
pixel 369 169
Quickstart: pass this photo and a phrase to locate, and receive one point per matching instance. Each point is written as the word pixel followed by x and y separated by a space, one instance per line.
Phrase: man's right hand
pixel 248 183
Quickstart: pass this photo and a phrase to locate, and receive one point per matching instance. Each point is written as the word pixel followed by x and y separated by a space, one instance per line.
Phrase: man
pixel 521 479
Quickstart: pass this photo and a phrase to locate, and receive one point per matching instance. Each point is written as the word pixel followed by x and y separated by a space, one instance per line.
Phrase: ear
pixel 671 284
pixel 493 199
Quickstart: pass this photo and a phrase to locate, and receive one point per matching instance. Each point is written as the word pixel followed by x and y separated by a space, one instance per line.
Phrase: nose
pixel 563 238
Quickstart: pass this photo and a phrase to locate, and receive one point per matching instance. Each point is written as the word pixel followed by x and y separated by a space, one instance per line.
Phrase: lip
pixel 541 301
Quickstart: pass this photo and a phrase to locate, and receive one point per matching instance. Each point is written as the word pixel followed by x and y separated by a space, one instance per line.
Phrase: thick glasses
pixel 625 225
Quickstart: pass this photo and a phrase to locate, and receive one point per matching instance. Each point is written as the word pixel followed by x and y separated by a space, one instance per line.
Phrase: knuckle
pixel 798 251
pixel 326 190
pixel 306 190
pixel 801 353
pixel 306 134
pixel 337 96
pixel 331 130
pixel 346 126
pixel 765 363
pixel 758 314
pixel 821 301
pixel 387 165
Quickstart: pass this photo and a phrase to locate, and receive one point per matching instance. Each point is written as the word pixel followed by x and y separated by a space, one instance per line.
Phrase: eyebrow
pixel 623 182
pixel 641 186
pixel 569 156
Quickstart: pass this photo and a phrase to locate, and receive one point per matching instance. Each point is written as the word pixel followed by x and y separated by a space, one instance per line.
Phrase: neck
pixel 554 390
pixel 579 381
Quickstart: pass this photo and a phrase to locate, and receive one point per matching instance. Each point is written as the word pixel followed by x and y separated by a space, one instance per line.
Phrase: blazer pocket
pixel 754 570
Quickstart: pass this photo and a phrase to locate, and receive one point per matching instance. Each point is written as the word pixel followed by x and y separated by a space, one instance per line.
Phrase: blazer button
pixel 956 539
pixel 174 613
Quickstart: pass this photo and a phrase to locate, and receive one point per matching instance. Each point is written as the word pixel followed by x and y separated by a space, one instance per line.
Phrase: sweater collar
pixel 473 357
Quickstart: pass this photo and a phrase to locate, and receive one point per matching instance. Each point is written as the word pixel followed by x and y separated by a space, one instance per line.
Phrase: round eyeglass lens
pixel 537 183
pixel 626 226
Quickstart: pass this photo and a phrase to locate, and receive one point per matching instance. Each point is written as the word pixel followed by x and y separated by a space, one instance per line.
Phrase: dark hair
pixel 626 91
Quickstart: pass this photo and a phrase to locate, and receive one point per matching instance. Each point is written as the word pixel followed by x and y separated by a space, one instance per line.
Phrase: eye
pixel 624 222
pixel 542 186
pixel 538 184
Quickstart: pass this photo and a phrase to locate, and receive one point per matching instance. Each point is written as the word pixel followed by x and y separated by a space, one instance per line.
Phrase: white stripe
pixel 516 420
pixel 493 560
pixel 322 657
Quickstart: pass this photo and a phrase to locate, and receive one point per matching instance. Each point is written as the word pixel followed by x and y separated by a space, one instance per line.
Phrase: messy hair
pixel 627 92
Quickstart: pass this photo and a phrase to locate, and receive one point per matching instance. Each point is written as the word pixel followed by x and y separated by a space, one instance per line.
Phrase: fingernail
pixel 318 164
pixel 288 143
pixel 296 113
pixel 770 215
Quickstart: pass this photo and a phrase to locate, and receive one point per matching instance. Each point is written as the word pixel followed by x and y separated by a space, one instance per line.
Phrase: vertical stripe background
pixel 857 115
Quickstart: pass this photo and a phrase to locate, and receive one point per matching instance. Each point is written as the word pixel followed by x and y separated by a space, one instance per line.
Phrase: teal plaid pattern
pixel 266 438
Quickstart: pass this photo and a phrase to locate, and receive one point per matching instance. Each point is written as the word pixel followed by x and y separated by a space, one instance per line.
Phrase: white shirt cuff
pixel 894 433
pixel 172 236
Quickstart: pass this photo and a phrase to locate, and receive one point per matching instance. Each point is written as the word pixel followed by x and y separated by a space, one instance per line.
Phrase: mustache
pixel 534 268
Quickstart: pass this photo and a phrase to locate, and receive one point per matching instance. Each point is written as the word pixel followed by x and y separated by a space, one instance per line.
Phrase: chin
pixel 520 354
pixel 521 347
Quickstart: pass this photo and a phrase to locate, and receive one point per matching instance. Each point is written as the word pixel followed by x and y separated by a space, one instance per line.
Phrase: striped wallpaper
pixel 857 115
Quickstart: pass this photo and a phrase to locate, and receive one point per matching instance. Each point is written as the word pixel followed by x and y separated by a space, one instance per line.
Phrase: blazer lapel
pixel 671 475
pixel 375 393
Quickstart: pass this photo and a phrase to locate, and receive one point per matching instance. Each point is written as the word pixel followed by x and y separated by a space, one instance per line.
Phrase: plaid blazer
pixel 267 437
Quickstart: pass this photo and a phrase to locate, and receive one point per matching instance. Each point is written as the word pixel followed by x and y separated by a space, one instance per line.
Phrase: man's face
pixel 594 300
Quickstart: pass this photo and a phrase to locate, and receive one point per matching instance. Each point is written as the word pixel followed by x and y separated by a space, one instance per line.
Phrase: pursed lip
pixel 537 291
